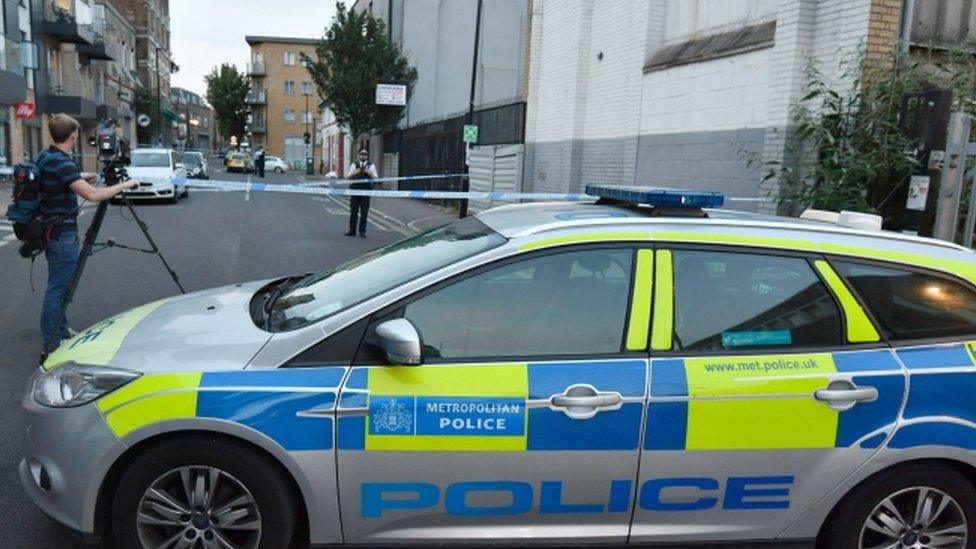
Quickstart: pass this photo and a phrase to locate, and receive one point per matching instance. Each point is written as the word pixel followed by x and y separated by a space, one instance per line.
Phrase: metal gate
pixel 955 211
pixel 494 168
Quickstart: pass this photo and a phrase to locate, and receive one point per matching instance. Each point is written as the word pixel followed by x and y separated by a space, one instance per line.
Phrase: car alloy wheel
pixel 917 517
pixel 198 506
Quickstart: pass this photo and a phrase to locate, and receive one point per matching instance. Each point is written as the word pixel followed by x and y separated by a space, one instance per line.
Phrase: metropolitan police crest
pixel 392 417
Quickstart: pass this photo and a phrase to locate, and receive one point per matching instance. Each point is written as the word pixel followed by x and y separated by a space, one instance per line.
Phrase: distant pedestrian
pixel 364 172
pixel 259 161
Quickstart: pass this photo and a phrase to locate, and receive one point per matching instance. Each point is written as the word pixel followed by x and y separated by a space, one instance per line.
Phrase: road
pixel 210 239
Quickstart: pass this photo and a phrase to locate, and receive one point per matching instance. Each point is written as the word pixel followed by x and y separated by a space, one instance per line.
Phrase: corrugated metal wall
pixel 944 22
pixel 494 168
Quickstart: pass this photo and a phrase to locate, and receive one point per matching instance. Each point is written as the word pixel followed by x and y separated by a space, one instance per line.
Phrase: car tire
pixel 243 472
pixel 279 170
pixel 848 522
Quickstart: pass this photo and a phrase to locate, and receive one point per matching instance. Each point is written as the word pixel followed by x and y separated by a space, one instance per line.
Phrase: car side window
pixel 567 303
pixel 741 301
pixel 912 305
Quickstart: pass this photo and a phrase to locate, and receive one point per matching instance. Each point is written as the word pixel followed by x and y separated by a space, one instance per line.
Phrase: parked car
pixel 275 164
pixel 240 162
pixel 196 165
pixel 160 173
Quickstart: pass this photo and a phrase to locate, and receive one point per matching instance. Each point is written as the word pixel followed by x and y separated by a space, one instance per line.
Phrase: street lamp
pixel 309 168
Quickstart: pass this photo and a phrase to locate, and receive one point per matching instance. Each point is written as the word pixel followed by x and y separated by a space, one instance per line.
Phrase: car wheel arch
pixel 966 469
pixel 232 433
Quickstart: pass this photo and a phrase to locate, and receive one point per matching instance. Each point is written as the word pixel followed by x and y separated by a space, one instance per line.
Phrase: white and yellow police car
pixel 643 369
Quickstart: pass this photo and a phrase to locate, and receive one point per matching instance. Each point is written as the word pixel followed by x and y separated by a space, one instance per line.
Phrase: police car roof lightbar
pixel 657 196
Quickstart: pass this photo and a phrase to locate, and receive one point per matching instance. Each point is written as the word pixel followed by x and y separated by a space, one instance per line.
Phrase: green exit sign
pixel 470 134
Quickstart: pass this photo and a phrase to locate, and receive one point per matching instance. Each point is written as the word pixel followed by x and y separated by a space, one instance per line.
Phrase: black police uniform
pixel 359 205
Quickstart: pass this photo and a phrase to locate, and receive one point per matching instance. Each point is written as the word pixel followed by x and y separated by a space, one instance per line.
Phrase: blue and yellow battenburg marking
pixel 943 384
pixel 483 407
pixel 766 401
pixel 268 401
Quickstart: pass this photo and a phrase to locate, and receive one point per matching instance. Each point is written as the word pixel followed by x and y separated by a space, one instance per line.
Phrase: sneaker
pixel 350 233
pixel 362 235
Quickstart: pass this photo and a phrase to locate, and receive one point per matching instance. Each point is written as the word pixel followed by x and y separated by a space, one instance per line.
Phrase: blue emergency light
pixel 657 196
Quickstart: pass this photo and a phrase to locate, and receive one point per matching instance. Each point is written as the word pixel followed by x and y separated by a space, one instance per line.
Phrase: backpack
pixel 24 211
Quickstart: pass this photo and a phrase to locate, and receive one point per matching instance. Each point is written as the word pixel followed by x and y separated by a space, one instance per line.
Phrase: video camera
pixel 114 151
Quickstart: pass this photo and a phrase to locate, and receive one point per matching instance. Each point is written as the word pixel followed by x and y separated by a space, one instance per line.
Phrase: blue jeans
pixel 62 260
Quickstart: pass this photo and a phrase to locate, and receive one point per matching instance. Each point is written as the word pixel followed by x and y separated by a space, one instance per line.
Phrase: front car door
pixel 524 421
pixel 769 385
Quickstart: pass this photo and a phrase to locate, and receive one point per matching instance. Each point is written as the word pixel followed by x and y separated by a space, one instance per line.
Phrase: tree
pixel 227 93
pixel 849 148
pixel 353 56
pixel 146 104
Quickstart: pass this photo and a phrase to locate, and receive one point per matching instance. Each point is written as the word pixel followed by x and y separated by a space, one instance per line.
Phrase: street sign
pixel 391 94
pixel 143 120
pixel 24 109
pixel 470 134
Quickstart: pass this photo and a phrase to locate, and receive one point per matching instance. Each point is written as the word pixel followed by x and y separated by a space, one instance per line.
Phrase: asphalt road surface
pixel 210 239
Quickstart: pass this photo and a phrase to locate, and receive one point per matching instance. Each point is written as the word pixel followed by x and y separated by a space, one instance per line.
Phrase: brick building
pixel 681 92
pixel 196 126
pixel 154 59
pixel 283 98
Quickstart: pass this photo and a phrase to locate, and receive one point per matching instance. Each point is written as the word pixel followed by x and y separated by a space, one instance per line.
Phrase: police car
pixel 646 368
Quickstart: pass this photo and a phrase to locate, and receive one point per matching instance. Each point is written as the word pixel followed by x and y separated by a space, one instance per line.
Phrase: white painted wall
pixel 438 40
pixel 720 94
pixel 689 19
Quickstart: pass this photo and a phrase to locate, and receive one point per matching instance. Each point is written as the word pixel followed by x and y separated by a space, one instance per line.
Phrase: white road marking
pixel 372 220
pixel 247 191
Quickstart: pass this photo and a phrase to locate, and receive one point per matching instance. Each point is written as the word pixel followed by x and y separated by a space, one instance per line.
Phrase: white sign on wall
pixel 391 94
pixel 918 193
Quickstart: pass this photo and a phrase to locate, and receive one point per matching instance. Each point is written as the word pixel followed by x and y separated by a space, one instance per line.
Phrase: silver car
pixel 558 372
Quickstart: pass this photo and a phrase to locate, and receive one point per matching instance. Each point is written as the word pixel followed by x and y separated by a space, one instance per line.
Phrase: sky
pixel 206 33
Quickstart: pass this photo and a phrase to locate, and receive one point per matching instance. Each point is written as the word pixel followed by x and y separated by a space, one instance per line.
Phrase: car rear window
pixel 913 305
pixel 738 301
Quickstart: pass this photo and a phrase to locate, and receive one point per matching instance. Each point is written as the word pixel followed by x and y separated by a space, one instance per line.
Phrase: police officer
pixel 363 172
pixel 61 184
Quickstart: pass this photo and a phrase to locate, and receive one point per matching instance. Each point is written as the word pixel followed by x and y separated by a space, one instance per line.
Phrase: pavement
pixel 210 239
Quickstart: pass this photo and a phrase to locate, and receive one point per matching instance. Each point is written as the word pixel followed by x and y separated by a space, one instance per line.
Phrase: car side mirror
pixel 400 342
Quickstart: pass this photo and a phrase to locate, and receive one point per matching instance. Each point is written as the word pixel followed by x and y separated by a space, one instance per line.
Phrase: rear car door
pixel 769 385
pixel 524 420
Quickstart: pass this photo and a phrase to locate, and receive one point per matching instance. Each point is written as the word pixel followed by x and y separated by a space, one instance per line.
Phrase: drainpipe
pixel 907 22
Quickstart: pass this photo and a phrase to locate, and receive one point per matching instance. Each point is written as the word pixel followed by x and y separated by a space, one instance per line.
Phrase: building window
pixel 306 88
pixel 307 117
pixel 289 116
pixel 289 58
pixel 289 87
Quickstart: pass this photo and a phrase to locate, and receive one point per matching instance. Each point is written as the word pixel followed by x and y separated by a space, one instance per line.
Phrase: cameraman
pixel 363 172
pixel 60 186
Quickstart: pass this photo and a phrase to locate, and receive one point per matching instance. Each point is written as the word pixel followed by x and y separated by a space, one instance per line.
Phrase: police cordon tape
pixel 329 188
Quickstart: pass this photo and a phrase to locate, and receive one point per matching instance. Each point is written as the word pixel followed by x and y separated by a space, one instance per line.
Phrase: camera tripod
pixel 111 175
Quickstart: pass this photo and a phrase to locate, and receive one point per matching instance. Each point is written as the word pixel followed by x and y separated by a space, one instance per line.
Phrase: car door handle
pixel 583 401
pixel 843 395
pixel 597 401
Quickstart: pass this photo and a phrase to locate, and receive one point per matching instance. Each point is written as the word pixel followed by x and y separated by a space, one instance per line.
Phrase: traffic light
pixel 308 138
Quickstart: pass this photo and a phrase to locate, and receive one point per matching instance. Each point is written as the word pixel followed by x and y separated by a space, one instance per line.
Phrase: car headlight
pixel 73 384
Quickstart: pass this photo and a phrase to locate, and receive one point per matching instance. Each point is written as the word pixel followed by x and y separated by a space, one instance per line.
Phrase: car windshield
pixel 323 294
pixel 150 160
pixel 192 160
